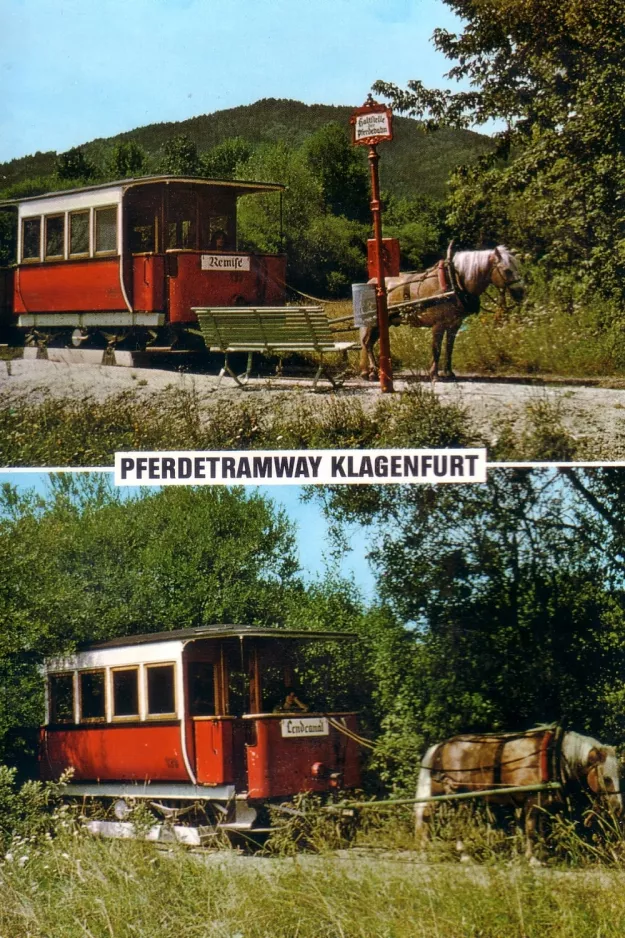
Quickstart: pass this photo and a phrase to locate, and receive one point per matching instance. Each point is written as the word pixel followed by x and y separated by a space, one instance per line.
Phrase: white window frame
pixel 106 717
pixel 170 715
pixel 94 242
pixel 32 260
pixel 63 255
pixel 82 254
pixel 129 717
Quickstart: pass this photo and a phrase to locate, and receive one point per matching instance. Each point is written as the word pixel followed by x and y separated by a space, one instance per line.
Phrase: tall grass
pixel 73 887
pixel 552 334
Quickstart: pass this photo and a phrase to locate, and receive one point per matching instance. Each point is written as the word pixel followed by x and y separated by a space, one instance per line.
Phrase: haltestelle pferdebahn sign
pixel 371 124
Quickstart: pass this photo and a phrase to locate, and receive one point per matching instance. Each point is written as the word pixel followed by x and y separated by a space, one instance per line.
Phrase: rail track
pixel 208 364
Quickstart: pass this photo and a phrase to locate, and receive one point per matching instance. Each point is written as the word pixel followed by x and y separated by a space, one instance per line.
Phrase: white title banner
pixel 301 467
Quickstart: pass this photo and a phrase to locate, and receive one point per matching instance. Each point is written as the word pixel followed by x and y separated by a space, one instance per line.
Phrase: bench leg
pixel 324 371
pixel 242 379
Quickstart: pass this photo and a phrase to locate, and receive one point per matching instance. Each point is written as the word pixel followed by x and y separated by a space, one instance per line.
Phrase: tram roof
pixel 242 186
pixel 221 632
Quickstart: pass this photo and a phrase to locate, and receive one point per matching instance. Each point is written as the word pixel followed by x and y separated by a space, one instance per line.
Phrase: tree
pixel 180 157
pixel 418 223
pixel 221 161
pixel 73 164
pixel 341 172
pixel 128 159
pixel 8 239
pixel 553 72
pixel 84 564
pixel 511 597
pixel 324 252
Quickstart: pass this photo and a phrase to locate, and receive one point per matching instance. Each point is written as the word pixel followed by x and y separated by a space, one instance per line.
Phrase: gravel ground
pixel 593 415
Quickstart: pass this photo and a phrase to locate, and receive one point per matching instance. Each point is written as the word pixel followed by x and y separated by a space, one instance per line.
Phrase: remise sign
pixel 301 467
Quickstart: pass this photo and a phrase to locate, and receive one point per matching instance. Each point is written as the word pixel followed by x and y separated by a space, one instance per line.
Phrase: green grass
pixel 540 338
pixel 73 887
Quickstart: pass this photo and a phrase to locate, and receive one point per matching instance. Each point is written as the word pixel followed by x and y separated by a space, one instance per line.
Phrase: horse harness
pixel 548 751
pixel 448 282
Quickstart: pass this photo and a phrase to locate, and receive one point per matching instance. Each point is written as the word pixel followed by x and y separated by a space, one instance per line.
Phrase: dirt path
pixel 595 416
pixel 358 861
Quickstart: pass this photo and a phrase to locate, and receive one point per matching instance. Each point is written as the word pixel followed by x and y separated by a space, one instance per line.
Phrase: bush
pixel 28 812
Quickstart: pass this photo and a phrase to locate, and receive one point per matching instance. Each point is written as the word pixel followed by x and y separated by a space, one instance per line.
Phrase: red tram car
pixel 120 265
pixel 187 720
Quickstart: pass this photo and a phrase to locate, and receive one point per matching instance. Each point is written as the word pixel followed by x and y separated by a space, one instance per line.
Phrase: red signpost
pixel 371 124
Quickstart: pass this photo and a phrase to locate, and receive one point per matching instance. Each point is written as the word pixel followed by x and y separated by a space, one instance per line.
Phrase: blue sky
pixel 73 70
pixel 311 529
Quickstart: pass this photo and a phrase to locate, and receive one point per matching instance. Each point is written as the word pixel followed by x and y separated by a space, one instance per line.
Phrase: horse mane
pixel 576 747
pixel 473 265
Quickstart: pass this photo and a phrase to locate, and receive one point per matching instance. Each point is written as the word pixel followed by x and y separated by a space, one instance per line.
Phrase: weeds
pixel 87 433
pixel 543 437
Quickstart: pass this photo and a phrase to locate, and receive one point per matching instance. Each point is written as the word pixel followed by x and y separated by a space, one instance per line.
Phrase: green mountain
pixel 414 163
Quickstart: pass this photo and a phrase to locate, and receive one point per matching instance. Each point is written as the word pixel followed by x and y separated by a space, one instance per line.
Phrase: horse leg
pixel 423 809
pixel 533 829
pixel 438 331
pixel 450 334
pixel 368 365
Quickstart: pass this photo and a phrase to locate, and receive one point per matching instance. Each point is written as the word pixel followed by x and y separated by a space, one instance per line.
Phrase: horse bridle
pixel 503 272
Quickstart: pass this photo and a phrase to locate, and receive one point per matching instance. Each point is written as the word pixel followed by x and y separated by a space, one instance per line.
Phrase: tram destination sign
pixel 296 727
pixel 371 124
pixel 225 262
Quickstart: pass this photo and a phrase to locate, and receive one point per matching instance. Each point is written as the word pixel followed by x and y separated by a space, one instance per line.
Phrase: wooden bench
pixel 271 330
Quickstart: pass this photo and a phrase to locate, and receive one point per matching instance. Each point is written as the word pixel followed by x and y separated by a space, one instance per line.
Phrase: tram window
pixel 78 233
pixel 61 690
pixel 201 688
pixel 31 239
pixel 161 696
pixel 106 230
pixel 238 693
pixel 126 692
pixel 142 239
pixel 92 695
pixel 55 236
pixel 181 234
pixel 182 221
pixel 218 237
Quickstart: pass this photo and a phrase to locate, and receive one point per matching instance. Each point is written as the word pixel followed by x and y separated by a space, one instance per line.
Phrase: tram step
pixel 159 833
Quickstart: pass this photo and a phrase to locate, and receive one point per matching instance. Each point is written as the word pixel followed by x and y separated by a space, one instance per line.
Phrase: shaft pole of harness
pixel 462 796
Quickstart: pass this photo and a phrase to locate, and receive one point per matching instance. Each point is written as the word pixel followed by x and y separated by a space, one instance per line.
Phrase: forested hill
pixel 415 163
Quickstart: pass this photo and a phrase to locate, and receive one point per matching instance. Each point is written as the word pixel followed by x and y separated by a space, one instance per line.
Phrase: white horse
pixel 467 274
